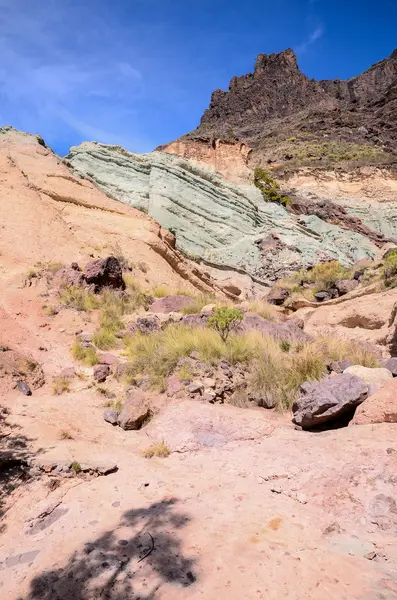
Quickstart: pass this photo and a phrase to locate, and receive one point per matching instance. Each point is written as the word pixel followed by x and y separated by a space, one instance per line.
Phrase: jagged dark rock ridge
pixel 277 99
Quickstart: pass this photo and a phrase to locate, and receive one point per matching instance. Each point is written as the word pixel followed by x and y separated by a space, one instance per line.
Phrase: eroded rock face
pixel 224 224
pixel 262 101
pixel 328 400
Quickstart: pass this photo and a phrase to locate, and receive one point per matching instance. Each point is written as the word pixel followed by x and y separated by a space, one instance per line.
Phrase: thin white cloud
pixel 315 35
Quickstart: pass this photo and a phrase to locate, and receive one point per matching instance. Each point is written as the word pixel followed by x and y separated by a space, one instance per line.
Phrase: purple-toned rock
pixel 135 413
pixel 278 296
pixel 195 320
pixel 146 325
pixel 70 276
pixel 107 358
pixel 391 365
pixel 105 272
pixel 169 304
pixel 344 286
pixel 101 373
pixel 111 416
pixel 327 400
pixel 290 330
pixel 338 366
pixel 323 296
pixel 68 372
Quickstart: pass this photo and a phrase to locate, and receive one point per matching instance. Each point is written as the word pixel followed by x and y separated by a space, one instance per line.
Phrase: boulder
pixel 23 387
pixel 107 358
pixel 278 296
pixel 323 296
pixel 196 320
pixel 379 377
pixel 338 366
pixel 147 324
pixel 290 330
pixel 136 412
pixel 111 416
pixel 101 373
pixel 105 272
pixel 68 372
pixel 391 365
pixel 328 400
pixel 169 304
pixel 378 408
pixel 344 286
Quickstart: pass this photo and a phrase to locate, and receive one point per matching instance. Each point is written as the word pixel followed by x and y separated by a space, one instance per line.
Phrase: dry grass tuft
pixel 263 309
pixel 158 449
pixel 60 385
pixel 87 356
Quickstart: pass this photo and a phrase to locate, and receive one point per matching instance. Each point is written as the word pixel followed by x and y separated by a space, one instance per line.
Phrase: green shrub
pixel 269 187
pixel 390 267
pixel 224 320
pixel 87 356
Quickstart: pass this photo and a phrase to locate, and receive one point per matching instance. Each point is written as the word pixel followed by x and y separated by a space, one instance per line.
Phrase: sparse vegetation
pixel 116 404
pixel 75 466
pixel 79 298
pixel 87 356
pixel 66 435
pixel 224 320
pixel 275 369
pixel 184 373
pixel 322 277
pixel 263 309
pixel 198 302
pixel 269 187
pixel 60 385
pixel 158 449
pixel 390 269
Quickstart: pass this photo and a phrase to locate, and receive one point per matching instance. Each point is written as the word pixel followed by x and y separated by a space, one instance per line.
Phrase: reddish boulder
pixel 105 272
pixel 136 412
pixel 169 304
pixel 379 408
pixel 101 373
pixel 344 286
pixel 278 296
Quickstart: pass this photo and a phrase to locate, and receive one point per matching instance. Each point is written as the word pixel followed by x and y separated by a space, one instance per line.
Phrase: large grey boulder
pixel 327 400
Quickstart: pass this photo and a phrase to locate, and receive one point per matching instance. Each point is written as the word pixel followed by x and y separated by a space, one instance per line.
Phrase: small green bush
pixel 224 320
pixel 269 187
pixel 390 268
pixel 87 356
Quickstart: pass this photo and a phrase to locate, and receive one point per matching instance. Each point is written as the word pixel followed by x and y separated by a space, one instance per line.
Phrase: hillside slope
pixel 225 225
pixel 289 120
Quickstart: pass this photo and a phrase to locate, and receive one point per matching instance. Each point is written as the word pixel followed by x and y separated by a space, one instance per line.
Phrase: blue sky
pixel 140 72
